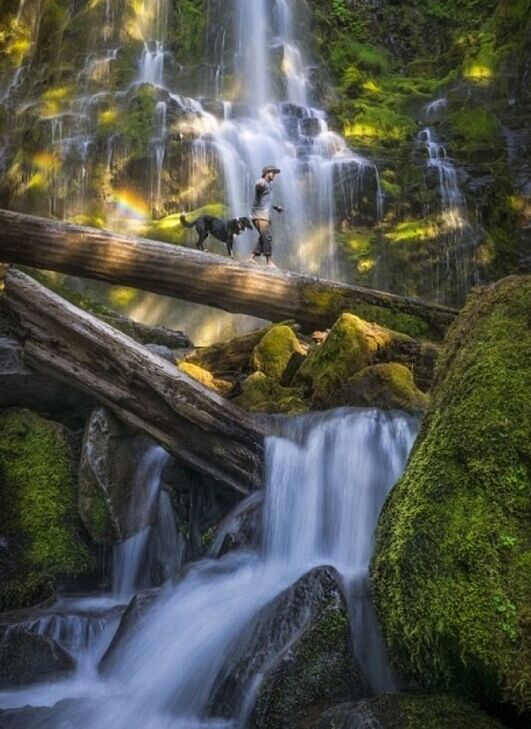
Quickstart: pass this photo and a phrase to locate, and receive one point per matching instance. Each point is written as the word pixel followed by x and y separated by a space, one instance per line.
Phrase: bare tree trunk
pixel 196 276
pixel 196 425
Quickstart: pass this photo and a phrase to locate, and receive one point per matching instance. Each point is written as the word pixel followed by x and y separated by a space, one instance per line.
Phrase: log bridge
pixel 196 425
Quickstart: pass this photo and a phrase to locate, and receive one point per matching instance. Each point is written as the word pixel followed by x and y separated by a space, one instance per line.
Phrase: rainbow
pixel 131 205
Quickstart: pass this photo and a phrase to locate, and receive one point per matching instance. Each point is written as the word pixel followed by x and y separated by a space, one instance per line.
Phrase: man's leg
pixel 259 247
pixel 267 242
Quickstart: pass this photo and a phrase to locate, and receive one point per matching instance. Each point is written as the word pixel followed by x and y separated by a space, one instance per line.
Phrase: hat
pixel 270 168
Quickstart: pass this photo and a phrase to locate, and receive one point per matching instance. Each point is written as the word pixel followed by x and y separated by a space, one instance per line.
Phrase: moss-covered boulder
pixel 407 711
pixel 351 345
pixel 276 351
pixel 388 386
pixel 262 394
pixel 39 526
pixel 451 575
pixel 205 377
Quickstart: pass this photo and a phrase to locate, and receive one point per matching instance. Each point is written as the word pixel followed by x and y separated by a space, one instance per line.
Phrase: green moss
pixel 389 386
pixel 137 124
pixel 427 711
pixel 350 346
pixel 38 514
pixel 475 128
pixel 100 525
pixel 408 324
pixel 452 570
pixel 263 394
pixel 380 123
pixel 205 377
pixel 277 348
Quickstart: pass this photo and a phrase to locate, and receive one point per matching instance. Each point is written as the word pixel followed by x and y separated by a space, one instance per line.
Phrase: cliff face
pixel 108 111
pixel 438 93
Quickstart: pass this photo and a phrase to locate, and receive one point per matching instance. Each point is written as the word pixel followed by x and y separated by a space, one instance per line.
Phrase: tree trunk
pixel 195 424
pixel 195 276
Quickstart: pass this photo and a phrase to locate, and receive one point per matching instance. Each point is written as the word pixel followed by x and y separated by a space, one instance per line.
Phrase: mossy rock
pixel 351 345
pixel 38 514
pixel 451 575
pixel 262 394
pixel 276 350
pixel 407 711
pixel 388 386
pixel 205 377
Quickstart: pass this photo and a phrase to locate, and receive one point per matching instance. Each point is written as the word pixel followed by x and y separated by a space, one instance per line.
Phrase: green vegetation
pixel 262 394
pixel 38 514
pixel 452 572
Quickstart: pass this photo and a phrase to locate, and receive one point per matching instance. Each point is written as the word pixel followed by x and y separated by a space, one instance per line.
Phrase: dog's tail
pixel 185 223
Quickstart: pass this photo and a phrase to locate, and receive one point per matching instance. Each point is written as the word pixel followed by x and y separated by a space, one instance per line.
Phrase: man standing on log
pixel 261 214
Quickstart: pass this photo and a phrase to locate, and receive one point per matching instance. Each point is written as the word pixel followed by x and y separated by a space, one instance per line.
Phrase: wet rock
pixel 401 711
pixel 67 714
pixel 242 528
pixel 26 657
pixel 161 351
pixel 110 501
pixel 139 606
pixel 299 646
pixel 310 127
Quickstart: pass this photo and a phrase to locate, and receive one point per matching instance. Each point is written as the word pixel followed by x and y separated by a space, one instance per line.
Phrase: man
pixel 261 214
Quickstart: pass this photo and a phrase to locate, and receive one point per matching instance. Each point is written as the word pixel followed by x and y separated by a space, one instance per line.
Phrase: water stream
pixel 327 478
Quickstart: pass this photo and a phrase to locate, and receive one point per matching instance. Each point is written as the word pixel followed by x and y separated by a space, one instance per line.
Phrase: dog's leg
pixel 203 235
pixel 230 246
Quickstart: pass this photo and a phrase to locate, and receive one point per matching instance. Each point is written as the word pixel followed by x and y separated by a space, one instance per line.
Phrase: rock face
pixel 26 657
pixel 406 711
pixel 451 575
pixel 41 535
pixel 109 503
pixel 300 644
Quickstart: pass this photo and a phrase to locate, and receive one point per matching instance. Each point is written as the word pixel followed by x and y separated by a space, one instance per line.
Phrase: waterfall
pixel 137 558
pixel 327 476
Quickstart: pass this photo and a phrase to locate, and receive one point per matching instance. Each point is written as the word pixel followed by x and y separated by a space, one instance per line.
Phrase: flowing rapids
pixel 327 476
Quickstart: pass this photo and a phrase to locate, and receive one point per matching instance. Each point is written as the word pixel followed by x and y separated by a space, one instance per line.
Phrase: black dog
pixel 223 230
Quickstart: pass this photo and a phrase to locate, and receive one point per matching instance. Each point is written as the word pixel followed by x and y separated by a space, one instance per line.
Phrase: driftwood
pixel 195 424
pixel 196 276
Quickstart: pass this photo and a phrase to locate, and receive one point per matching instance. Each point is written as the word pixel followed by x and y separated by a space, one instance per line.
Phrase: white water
pixel 327 477
pixel 158 544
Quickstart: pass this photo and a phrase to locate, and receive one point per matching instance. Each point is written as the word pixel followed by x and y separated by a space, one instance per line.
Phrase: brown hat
pixel 270 168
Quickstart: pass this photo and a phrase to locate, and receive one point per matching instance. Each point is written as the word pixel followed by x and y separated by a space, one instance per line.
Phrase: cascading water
pixel 327 478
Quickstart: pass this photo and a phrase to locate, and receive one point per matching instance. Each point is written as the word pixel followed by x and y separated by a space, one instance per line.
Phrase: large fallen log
pixel 195 424
pixel 196 276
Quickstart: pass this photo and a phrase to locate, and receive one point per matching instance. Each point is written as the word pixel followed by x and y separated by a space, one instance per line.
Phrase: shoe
pixel 270 264
pixel 252 259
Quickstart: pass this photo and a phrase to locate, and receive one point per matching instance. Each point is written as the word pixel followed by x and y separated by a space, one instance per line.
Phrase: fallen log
pixel 195 424
pixel 196 276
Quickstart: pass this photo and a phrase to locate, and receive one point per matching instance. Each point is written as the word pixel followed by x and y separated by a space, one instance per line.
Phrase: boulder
pixel 299 646
pixel 276 351
pixel 451 575
pixel 27 657
pixel 42 539
pixel 111 501
pixel 351 345
pixel 139 606
pixel 406 711
pixel 387 386
pixel 262 394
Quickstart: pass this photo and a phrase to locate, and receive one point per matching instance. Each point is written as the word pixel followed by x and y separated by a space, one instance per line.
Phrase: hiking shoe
pixel 270 264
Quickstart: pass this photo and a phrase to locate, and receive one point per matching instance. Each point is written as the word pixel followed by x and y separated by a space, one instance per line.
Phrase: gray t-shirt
pixel 263 199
